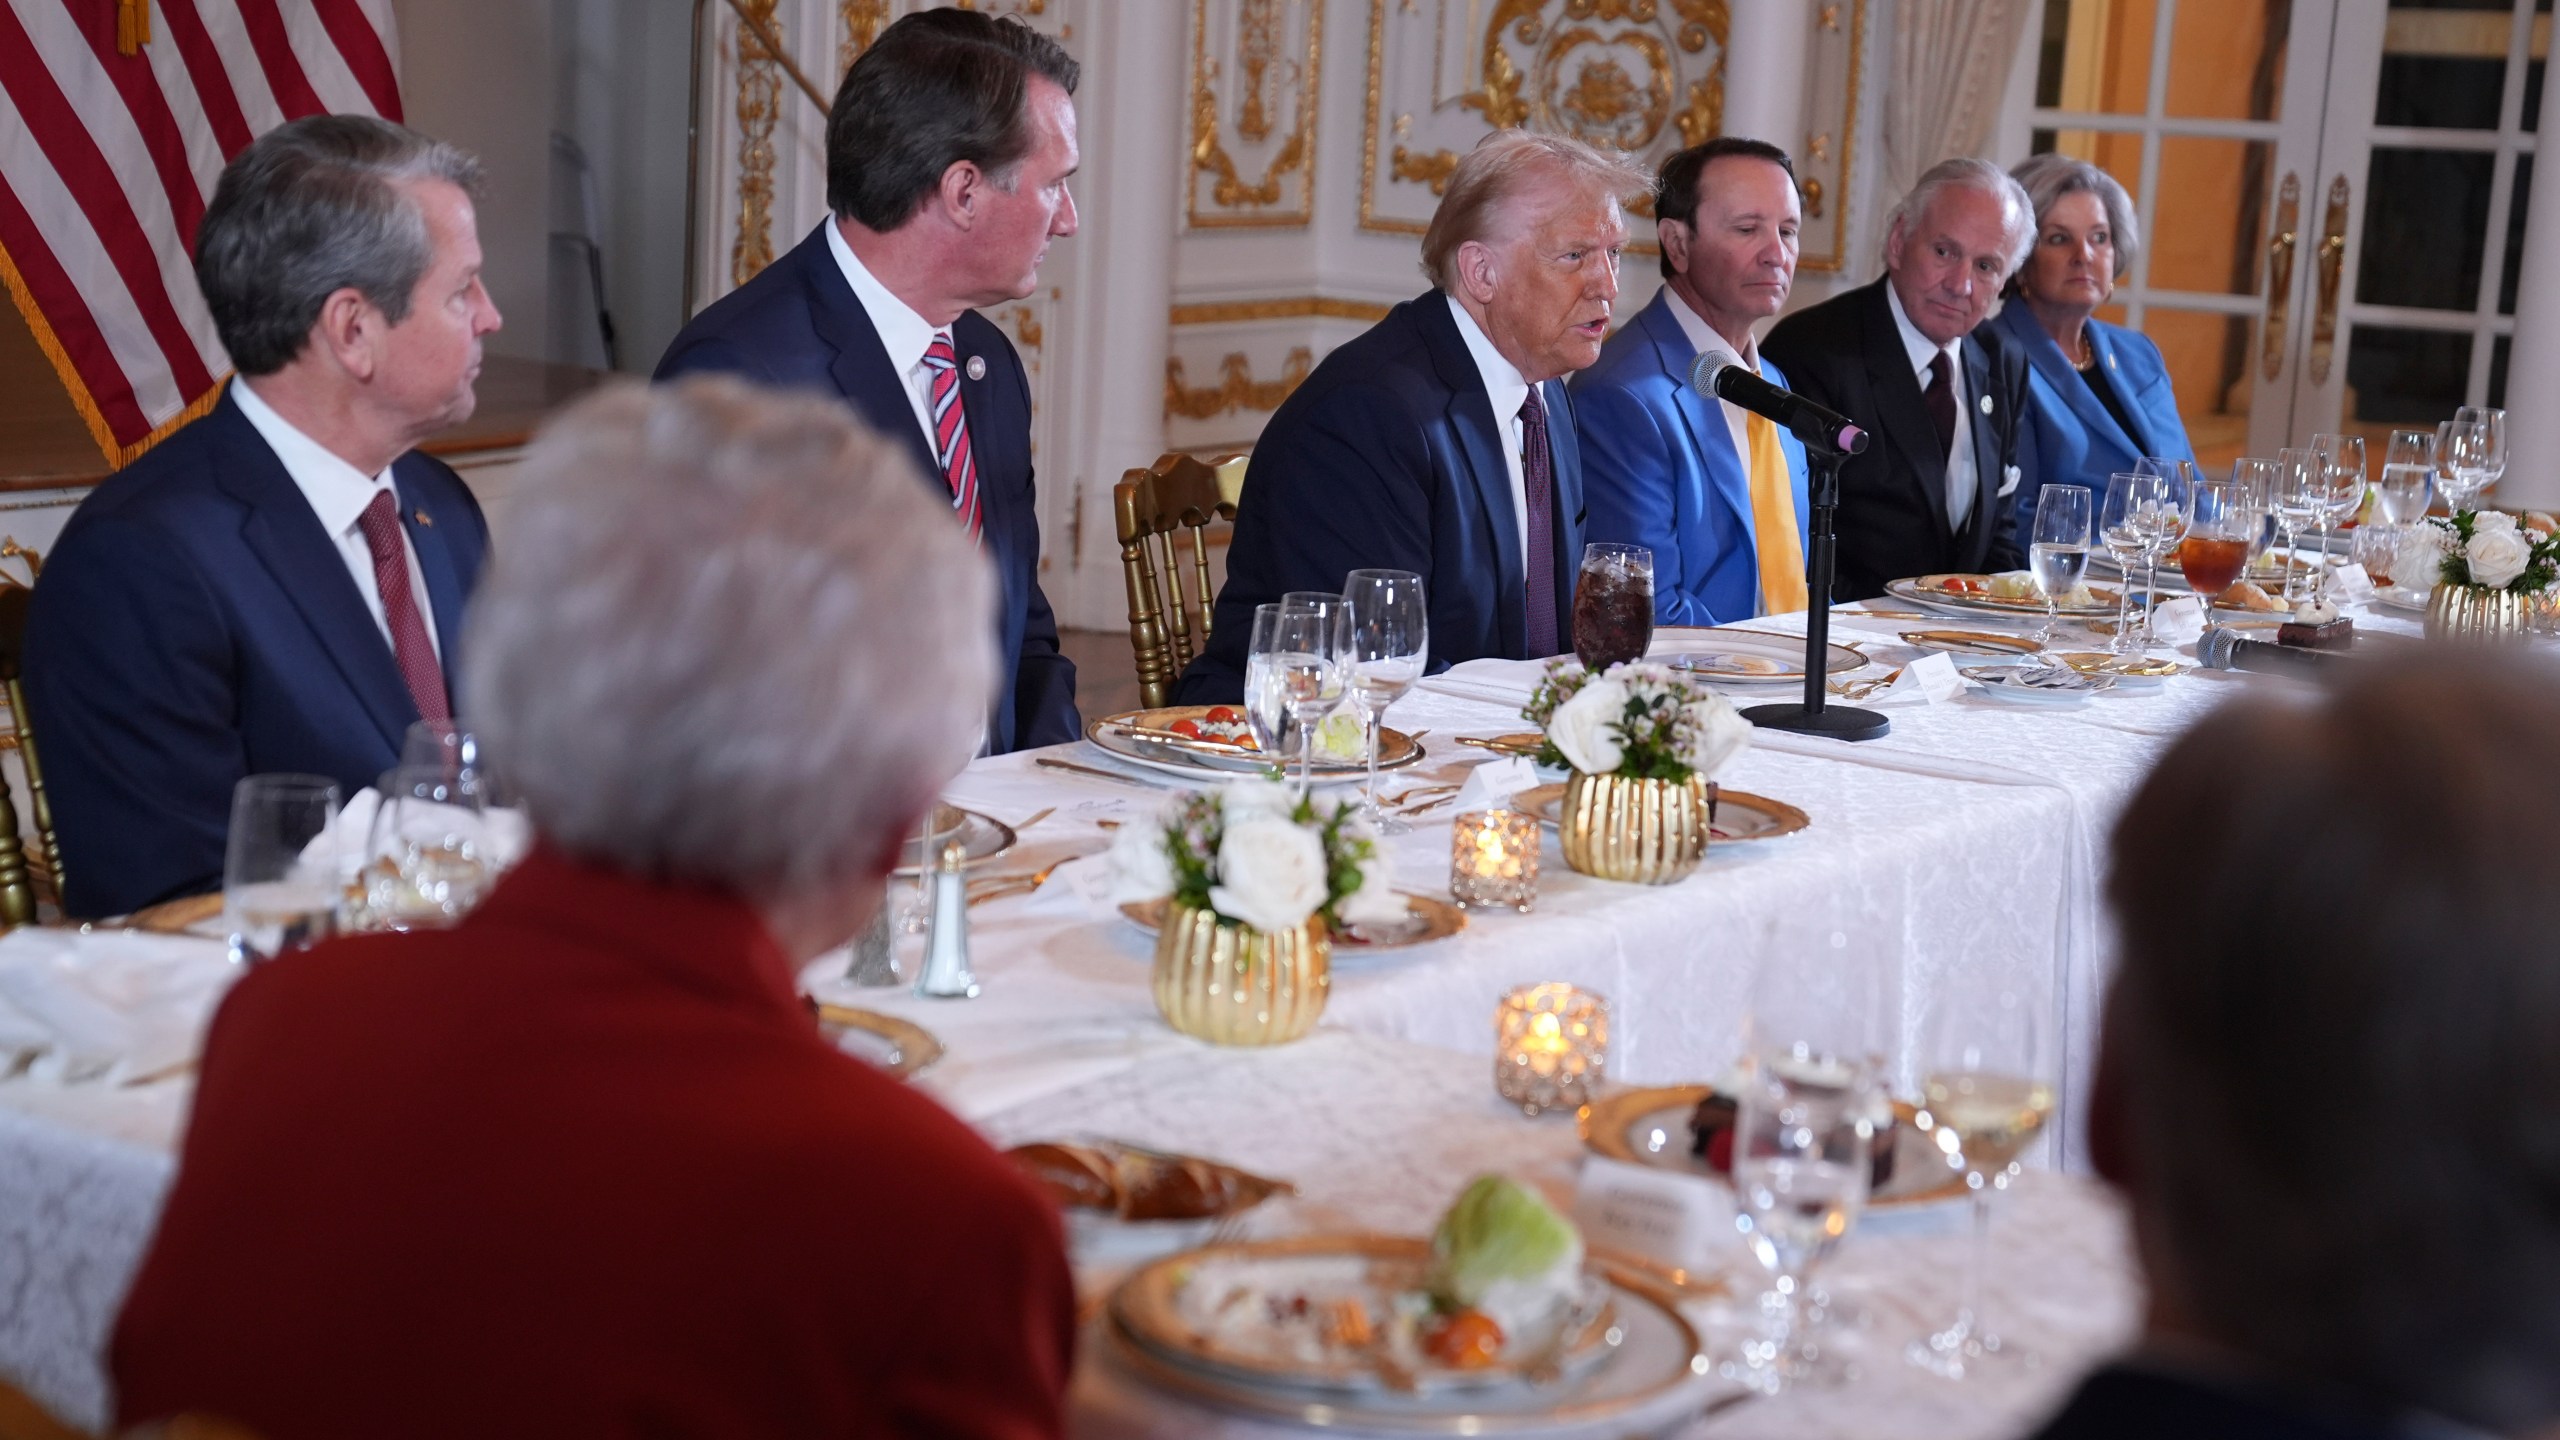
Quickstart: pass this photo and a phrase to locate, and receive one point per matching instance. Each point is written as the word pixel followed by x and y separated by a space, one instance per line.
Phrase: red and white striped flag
pixel 115 119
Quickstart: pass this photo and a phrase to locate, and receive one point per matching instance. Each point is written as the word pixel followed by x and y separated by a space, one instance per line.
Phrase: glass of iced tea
pixel 2221 526
pixel 1613 605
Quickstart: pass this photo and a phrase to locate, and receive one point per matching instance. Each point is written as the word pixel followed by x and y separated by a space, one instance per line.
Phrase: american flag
pixel 115 119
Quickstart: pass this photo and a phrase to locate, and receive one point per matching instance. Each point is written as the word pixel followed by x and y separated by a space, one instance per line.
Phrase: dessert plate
pixel 1649 1126
pixel 1739 814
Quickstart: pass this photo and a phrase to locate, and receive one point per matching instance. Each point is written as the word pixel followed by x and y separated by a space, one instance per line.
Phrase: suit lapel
pixel 1900 407
pixel 2103 348
pixel 2020 329
pixel 861 368
pixel 1987 425
pixel 1709 436
pixel 1480 443
pixel 1564 447
pixel 279 528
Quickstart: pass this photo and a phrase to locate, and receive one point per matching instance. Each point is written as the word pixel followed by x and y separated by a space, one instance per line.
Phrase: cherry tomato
pixel 1468 1340
pixel 1189 728
pixel 1221 715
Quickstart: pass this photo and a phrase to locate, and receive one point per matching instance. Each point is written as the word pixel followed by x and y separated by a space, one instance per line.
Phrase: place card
pixel 2179 621
pixel 1932 678
pixel 2354 585
pixel 1491 785
pixel 1682 1221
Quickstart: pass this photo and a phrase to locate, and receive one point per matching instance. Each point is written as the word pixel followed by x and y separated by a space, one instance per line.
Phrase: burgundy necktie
pixel 1941 396
pixel 951 432
pixel 1538 478
pixel 409 643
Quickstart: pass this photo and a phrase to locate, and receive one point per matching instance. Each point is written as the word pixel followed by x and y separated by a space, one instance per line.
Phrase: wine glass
pixel 2257 481
pixel 280 887
pixel 2408 481
pixel 2491 426
pixel 1386 642
pixel 1984 1096
pixel 2161 523
pixel 1266 704
pixel 1803 1158
pixel 1613 605
pixel 2469 447
pixel 2058 556
pixel 2298 505
pixel 1305 664
pixel 2341 491
pixel 2220 527
pixel 2127 493
pixel 427 862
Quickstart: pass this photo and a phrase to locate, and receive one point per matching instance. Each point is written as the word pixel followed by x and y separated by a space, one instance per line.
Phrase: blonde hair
pixel 1502 165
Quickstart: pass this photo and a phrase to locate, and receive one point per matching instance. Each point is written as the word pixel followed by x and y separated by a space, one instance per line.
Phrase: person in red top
pixel 582 1165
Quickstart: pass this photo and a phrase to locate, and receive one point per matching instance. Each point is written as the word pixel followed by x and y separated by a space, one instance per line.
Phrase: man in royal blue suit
pixel 279 585
pixel 948 153
pixel 1716 492
pixel 1442 440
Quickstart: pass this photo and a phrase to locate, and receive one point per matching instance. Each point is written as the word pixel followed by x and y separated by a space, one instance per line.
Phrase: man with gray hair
pixel 1441 441
pixel 585 1159
pixel 1901 357
pixel 279 585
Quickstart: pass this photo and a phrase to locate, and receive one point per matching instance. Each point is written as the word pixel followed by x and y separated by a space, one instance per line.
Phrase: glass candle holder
pixel 1493 859
pixel 1550 1047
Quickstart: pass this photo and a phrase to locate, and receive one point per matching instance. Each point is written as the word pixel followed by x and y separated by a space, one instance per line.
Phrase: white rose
pixel 1243 799
pixel 2487 520
pixel 2421 553
pixel 1376 901
pixel 1271 874
pixel 2497 557
pixel 1585 727
pixel 1140 868
pixel 1717 734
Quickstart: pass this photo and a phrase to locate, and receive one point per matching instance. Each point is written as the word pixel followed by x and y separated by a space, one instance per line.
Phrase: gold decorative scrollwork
pixel 1432 168
pixel 1236 388
pixel 863 22
pixel 759 106
pixel 1257 44
pixel 1026 327
pixel 1260 57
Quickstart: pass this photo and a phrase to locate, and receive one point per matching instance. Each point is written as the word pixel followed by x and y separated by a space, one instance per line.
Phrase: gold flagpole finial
pixel 133 26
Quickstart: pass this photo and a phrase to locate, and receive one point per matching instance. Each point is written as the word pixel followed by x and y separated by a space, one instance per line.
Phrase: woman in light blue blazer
pixel 2101 393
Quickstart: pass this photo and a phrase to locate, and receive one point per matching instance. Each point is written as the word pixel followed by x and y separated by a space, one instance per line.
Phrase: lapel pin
pixel 977 367
pixel 1986 404
pixel 2111 361
pixel 423 518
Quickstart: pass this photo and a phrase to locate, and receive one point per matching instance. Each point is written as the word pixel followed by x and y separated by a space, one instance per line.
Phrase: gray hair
pixel 731 640
pixel 1503 164
pixel 309 209
pixel 2047 178
pixel 2017 217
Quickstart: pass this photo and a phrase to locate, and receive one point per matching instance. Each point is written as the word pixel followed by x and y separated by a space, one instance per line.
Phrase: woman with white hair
pixel 583 1164
pixel 2102 396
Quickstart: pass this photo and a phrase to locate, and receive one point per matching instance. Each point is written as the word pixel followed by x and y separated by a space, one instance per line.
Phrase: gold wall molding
pixel 1236 312
pixel 759 106
pixel 1642 76
pixel 1236 388
pixel 863 21
pixel 1270 57
pixel 1832 75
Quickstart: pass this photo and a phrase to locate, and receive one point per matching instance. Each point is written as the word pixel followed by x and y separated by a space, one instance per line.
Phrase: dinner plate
pixel 1112 734
pixel 901 1047
pixel 1649 1126
pixel 1750 657
pixel 2045 685
pixel 2125 670
pixel 1739 815
pixel 982 837
pixel 1912 592
pixel 1426 919
pixel 2392 597
pixel 1972 642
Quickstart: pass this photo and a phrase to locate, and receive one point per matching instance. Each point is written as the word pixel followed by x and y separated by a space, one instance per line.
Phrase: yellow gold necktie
pixel 1773 521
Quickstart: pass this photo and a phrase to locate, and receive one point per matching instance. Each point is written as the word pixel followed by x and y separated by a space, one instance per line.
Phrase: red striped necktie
pixel 409 643
pixel 951 432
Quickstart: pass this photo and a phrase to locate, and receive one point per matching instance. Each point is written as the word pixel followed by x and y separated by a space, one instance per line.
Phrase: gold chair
pixel 1166 627
pixel 30 872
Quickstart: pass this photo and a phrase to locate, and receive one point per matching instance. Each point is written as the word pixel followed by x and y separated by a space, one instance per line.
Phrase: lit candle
pixel 1493 859
pixel 1551 1047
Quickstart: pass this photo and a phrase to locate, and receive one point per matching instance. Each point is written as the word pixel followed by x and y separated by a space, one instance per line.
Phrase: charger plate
pixel 1740 815
pixel 1649 1126
pixel 982 837
pixel 1750 657
pixel 1426 919
pixel 901 1047
pixel 1110 733
pixel 1912 592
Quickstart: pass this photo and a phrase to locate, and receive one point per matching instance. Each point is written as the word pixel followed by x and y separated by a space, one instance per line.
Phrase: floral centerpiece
pixel 2491 573
pixel 1254 881
pixel 1644 743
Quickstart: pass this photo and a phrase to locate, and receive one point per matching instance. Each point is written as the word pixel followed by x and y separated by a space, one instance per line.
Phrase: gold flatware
pixel 1861 689
pixel 1187 742
pixel 911 1047
pixel 1525 743
pixel 998 887
pixel 1047 762
pixel 1036 819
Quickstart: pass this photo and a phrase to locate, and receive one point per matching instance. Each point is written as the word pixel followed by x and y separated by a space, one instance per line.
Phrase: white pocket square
pixel 2008 479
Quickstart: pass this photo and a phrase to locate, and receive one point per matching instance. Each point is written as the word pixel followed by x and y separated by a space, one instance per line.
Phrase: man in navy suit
pixel 1933 490
pixel 1442 440
pixel 948 153
pixel 1717 493
pixel 279 585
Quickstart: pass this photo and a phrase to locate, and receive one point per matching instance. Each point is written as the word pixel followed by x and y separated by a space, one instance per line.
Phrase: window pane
pixel 2226 59
pixel 2210 240
pixel 2208 357
pixel 2498 372
pixel 2426 215
pixel 2117 153
pixel 2515 234
pixel 2406 377
pixel 2095 55
pixel 2444 64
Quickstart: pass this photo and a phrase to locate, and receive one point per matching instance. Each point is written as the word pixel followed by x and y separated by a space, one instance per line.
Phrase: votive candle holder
pixel 1493 859
pixel 1550 1047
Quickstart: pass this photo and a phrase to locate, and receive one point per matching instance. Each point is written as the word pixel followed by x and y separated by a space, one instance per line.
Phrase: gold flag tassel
pixel 133 26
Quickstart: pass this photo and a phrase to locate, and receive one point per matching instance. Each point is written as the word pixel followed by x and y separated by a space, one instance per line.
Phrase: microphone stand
pixel 1814 717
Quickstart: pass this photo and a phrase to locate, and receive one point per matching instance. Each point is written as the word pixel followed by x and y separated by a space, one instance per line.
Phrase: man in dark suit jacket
pixel 278 586
pixel 948 153
pixel 1935 490
pixel 584 1165
pixel 1442 441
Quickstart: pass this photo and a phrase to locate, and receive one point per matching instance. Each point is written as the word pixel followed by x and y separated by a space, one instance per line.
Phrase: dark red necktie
pixel 1941 396
pixel 1538 478
pixel 409 643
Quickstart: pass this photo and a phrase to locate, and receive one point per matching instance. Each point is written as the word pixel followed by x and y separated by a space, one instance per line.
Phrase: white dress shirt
pixel 338 493
pixel 905 334
pixel 1504 386
pixel 1704 337
pixel 1961 479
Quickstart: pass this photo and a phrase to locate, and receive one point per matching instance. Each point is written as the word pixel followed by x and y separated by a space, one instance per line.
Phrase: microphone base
pixel 1839 722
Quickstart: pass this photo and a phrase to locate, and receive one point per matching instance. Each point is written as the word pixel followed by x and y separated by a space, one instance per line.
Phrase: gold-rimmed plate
pixel 1426 919
pixel 1972 642
pixel 1750 657
pixel 1522 744
pixel 1739 814
pixel 901 1047
pixel 1114 735
pixel 982 837
pixel 1649 1126
pixel 2127 669
pixel 1941 597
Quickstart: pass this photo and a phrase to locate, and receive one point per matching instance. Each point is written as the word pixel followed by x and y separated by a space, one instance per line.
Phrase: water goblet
pixel 2490 426
pixel 280 880
pixel 427 862
pixel 1266 700
pixel 2341 474
pixel 1306 665
pixel 2058 554
pixel 1803 1157
pixel 1386 642
pixel 2298 505
pixel 2118 529
pixel 2256 478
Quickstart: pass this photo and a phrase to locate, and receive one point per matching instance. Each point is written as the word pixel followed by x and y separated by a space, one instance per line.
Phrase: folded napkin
pixel 116 1007
pixel 504 835
pixel 1499 682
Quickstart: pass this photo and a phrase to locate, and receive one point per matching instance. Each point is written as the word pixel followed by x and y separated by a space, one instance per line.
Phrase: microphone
pixel 2223 649
pixel 1719 374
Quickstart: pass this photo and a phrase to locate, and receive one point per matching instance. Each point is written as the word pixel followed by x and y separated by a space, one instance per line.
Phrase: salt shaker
pixel 874 959
pixel 946 935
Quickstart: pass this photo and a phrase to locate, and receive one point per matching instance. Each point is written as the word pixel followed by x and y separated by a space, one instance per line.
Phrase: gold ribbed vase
pixel 1231 984
pixel 2475 612
pixel 1648 832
